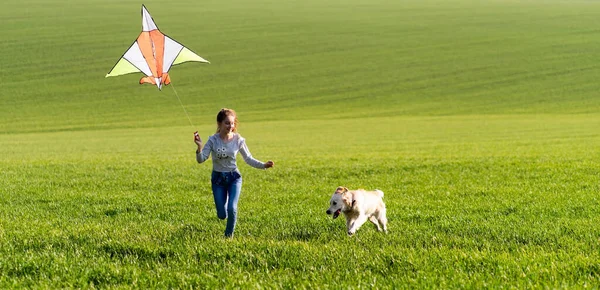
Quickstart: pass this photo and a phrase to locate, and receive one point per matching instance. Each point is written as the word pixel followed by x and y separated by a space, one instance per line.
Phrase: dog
pixel 358 206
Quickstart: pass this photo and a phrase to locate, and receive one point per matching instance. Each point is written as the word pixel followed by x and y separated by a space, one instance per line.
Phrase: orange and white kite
pixel 153 54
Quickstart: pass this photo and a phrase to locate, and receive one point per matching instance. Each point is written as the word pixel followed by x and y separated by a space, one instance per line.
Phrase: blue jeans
pixel 227 187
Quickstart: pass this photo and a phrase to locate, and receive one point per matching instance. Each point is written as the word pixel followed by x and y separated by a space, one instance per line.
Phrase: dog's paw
pixel 350 233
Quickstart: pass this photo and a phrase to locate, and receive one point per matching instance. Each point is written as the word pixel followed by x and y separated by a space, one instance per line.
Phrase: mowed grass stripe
pixel 384 137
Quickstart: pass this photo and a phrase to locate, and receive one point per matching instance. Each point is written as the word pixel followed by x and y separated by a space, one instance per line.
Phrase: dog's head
pixel 340 201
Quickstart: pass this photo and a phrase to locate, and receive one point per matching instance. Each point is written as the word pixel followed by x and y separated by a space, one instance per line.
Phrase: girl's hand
pixel 197 139
pixel 269 164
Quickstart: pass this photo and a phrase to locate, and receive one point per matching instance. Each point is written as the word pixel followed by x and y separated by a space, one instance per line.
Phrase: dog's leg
pixel 374 220
pixel 349 223
pixel 362 218
pixel 383 220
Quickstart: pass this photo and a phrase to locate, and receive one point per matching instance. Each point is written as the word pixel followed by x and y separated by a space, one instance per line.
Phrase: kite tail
pixel 165 80
pixel 147 80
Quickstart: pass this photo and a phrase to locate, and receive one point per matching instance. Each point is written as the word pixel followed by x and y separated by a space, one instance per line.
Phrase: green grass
pixel 478 119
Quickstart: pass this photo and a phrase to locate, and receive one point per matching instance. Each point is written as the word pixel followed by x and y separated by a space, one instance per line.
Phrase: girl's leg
pixel 234 189
pixel 220 195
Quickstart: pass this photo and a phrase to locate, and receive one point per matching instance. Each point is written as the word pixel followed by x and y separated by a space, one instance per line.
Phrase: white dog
pixel 358 206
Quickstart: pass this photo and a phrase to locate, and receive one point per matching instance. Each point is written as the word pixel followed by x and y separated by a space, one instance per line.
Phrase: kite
pixel 153 54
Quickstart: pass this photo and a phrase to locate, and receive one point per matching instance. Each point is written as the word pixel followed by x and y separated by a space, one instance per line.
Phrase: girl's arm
pixel 250 160
pixel 202 155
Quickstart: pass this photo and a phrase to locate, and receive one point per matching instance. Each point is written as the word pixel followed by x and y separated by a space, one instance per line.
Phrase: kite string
pixel 186 113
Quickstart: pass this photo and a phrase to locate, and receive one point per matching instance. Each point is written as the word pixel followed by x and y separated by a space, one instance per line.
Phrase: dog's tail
pixel 379 192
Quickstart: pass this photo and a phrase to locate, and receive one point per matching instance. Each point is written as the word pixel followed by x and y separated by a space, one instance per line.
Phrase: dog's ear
pixel 348 198
pixel 341 190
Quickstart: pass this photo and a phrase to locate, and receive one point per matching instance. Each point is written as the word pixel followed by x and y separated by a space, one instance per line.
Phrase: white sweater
pixel 223 153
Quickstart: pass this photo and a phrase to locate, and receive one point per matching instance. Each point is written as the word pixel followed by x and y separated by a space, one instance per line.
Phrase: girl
pixel 226 179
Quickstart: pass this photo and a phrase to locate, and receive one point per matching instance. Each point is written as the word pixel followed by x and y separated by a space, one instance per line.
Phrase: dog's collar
pixel 350 209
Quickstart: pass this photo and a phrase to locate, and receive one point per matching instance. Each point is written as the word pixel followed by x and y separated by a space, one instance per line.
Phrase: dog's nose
pixel 328 212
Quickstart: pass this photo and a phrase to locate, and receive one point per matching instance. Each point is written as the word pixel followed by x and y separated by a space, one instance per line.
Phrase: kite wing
pixel 153 54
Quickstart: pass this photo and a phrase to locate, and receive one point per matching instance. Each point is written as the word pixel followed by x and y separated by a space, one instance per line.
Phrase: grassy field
pixel 480 120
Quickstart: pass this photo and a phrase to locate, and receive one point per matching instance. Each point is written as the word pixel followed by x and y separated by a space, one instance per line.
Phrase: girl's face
pixel 228 125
